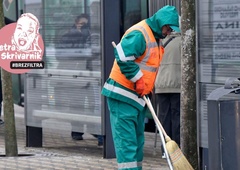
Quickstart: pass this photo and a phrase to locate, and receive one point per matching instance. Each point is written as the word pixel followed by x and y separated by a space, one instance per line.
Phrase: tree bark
pixel 188 89
pixel 8 109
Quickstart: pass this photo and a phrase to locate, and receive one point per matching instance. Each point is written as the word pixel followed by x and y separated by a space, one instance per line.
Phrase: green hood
pixel 167 15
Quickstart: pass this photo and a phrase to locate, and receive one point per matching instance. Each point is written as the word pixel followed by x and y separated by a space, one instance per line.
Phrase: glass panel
pixel 226 39
pixel 155 5
pixel 218 47
pixel 9 9
pixel 68 89
pixel 132 13
pixel 218 41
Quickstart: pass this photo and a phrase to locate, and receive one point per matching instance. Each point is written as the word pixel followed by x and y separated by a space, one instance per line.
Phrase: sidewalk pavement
pixel 60 152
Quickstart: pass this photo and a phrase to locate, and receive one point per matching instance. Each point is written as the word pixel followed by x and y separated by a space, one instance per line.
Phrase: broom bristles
pixel 178 160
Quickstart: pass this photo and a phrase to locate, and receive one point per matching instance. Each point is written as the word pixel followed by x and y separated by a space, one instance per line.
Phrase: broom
pixel 178 159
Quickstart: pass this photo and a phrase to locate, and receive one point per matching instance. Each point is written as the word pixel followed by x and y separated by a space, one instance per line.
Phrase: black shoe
pixel 100 144
pixel 77 136
pixel 1 122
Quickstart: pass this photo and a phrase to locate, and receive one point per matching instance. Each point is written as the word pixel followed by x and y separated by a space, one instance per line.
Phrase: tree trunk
pixel 8 109
pixel 188 89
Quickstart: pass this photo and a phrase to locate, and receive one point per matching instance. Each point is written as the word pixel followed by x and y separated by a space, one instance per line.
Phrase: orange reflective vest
pixel 148 62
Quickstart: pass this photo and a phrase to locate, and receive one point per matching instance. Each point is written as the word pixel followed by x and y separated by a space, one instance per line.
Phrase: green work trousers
pixel 127 124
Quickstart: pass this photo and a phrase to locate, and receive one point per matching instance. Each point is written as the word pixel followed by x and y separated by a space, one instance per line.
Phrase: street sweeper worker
pixel 137 58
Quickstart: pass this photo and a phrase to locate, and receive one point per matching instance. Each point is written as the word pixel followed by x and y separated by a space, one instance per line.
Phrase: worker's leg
pixel 140 135
pixel 124 121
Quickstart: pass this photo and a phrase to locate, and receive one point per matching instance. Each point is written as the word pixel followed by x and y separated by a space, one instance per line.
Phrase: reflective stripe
pixel 144 32
pixel 147 56
pixel 137 76
pixel 127 165
pixel 121 54
pixel 145 59
pixel 148 68
pixel 149 44
pixel 152 45
pixel 160 42
pixel 124 93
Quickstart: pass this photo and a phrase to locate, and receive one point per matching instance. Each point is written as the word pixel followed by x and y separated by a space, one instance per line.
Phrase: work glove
pixel 139 86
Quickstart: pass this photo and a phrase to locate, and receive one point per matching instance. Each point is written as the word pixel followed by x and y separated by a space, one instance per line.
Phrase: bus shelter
pixel 68 90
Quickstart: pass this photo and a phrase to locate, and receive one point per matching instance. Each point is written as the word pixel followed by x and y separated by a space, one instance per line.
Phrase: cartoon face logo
pixel 26 33
pixel 21 45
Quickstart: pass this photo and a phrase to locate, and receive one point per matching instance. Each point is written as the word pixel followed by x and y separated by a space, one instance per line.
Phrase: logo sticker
pixel 21 45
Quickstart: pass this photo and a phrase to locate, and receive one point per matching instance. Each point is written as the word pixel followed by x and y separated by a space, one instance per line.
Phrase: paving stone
pixel 60 152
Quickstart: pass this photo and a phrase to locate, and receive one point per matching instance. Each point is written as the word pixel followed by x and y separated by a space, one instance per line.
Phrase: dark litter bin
pixel 223 106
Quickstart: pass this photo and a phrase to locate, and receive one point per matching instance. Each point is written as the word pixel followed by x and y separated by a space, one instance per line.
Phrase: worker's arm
pixel 131 47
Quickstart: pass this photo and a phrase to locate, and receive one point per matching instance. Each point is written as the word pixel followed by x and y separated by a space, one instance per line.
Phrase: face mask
pixel 84 26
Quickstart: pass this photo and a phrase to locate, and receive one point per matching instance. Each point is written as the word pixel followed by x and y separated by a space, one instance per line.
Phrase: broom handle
pixel 114 45
pixel 161 131
pixel 165 148
pixel 155 117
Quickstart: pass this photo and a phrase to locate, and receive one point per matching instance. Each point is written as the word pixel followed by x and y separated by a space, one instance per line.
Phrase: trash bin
pixel 223 106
